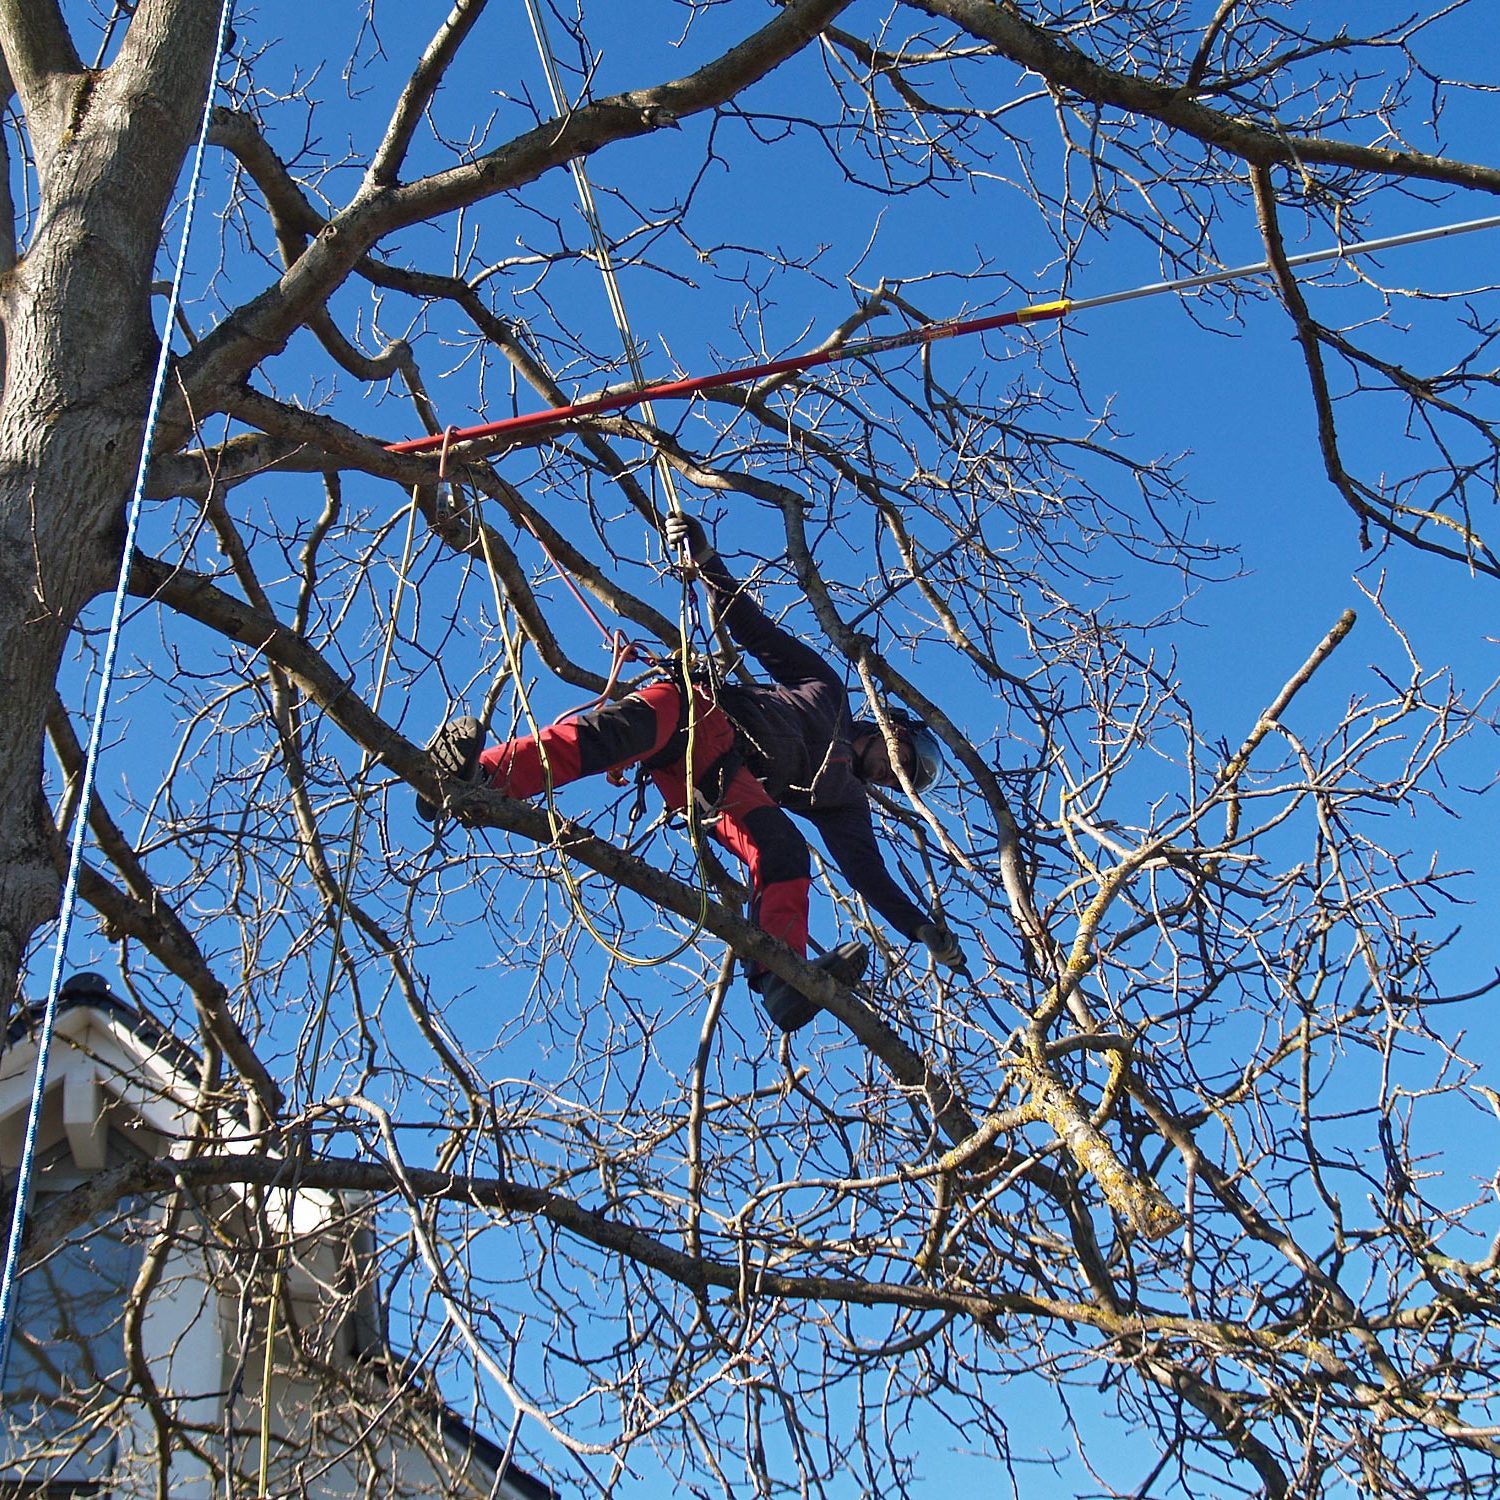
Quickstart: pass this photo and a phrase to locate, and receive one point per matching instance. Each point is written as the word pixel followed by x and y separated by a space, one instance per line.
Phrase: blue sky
pixel 1225 397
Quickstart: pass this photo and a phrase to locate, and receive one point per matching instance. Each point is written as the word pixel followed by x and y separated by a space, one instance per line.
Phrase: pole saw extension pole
pixel 930 333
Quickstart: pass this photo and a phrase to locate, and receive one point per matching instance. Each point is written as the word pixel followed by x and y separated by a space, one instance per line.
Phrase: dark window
pixel 67 1358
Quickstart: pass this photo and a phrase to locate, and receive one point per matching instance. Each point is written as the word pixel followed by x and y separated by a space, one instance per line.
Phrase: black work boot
pixel 789 1008
pixel 454 751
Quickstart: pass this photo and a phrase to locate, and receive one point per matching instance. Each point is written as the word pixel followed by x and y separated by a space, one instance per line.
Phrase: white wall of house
pixel 106 1084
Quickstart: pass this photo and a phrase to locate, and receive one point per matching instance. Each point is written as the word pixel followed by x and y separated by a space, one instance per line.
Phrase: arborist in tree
pixel 758 751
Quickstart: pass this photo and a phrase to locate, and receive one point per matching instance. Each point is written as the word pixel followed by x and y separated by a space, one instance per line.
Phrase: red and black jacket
pixel 794 734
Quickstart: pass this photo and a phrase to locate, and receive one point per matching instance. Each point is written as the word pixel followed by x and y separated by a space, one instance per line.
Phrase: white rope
pixel 9 1277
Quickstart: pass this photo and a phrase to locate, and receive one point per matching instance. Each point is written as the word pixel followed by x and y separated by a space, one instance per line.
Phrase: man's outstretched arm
pixel 787 659
pixel 849 836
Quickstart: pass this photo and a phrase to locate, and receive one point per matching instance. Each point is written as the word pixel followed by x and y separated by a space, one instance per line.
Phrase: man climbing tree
pixel 755 752
pixel 1191 1191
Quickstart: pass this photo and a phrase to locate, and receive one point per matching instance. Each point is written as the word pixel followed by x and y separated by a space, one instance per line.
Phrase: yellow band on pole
pixel 1038 310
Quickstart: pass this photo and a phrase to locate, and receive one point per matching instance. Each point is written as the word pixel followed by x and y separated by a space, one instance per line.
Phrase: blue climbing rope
pixel 9 1276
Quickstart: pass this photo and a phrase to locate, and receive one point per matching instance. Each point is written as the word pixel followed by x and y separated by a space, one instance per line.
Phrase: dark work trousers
pixel 650 725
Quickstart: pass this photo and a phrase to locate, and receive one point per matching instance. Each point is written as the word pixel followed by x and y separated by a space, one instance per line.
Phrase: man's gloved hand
pixel 686 531
pixel 943 946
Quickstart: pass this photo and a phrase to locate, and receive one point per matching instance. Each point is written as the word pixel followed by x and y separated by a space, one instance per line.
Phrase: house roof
pixel 88 990
pixel 87 995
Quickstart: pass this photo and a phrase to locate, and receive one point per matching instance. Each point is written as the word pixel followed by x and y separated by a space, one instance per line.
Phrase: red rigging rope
pixel 930 333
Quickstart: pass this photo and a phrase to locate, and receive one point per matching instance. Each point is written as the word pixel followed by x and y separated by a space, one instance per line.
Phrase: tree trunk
pixel 79 347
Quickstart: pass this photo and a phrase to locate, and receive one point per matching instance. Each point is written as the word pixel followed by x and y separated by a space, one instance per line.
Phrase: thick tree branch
pixel 43 65
pixel 262 326
pixel 1066 67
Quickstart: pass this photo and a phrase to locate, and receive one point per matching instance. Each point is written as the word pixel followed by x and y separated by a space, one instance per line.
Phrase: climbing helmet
pixel 926 762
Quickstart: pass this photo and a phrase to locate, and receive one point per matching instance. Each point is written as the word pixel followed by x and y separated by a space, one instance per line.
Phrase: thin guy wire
pixel 8 1277
pixel 601 245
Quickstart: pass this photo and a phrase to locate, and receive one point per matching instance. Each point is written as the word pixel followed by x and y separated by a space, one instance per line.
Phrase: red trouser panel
pixel 748 823
pixel 604 739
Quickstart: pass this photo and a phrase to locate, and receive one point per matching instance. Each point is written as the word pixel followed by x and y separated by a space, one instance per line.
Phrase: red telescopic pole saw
pixel 930 333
